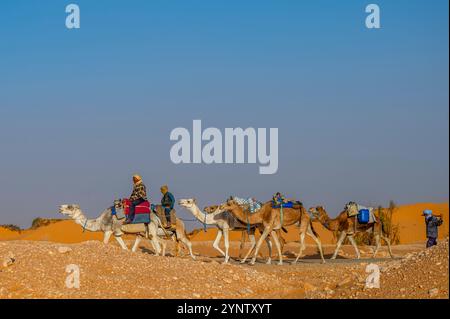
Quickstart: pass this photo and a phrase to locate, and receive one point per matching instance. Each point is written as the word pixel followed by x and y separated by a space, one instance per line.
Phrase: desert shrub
pixel 12 227
pixel 391 230
pixel 39 222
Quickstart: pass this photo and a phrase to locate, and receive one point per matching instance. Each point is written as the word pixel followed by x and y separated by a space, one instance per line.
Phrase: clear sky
pixel 362 114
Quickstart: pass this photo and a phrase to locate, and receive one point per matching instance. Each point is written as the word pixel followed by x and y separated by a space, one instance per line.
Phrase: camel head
pixel 188 203
pixel 317 212
pixel 351 208
pixel 213 209
pixel 229 205
pixel 70 210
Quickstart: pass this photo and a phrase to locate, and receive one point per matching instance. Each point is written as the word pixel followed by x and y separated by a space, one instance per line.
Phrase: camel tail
pixel 284 230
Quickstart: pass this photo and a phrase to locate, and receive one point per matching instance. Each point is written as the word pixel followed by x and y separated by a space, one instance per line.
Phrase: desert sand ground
pixel 33 265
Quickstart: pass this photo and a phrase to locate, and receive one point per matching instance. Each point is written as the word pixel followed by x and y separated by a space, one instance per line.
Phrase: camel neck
pixel 87 224
pixel 202 217
pixel 328 223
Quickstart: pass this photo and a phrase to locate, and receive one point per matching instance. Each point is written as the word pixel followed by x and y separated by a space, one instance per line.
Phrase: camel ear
pixel 194 200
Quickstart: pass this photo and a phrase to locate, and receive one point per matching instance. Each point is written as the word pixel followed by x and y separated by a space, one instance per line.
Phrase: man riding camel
pixel 138 196
pixel 167 202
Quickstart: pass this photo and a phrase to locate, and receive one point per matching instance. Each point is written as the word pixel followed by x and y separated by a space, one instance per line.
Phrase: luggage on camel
pixel 142 212
pixel 279 201
pixel 249 204
pixel 364 215
pixel 134 228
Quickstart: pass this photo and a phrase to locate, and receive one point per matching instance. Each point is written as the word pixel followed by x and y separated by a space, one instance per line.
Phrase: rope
pixel 248 223
pixel 188 220
pixel 281 214
pixel 204 223
pixel 84 226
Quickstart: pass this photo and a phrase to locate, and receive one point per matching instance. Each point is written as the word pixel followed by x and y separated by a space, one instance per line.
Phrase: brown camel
pixel 250 231
pixel 348 227
pixel 274 219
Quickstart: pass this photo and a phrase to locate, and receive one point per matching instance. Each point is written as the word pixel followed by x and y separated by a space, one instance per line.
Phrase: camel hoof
pixel 323 261
pixel 269 262
pixel 332 258
pixel 280 263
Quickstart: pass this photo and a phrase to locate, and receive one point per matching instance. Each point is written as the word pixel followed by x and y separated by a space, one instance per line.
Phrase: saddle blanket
pixel 285 205
pixel 142 212
pixel 252 204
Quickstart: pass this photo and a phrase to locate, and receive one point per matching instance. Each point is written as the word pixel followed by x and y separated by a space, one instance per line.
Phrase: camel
pixel 224 222
pixel 109 224
pixel 270 218
pixel 348 227
pixel 245 229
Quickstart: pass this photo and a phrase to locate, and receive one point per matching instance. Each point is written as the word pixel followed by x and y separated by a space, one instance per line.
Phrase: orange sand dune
pixel 62 232
pixel 409 218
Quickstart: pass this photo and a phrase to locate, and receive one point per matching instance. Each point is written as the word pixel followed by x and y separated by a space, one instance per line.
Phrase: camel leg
pixel 318 242
pixel 121 242
pixel 302 247
pixel 136 244
pixel 388 243
pixel 217 241
pixel 277 244
pixel 227 245
pixel 188 244
pixel 251 237
pixel 353 242
pixel 241 246
pixel 107 236
pixel 339 243
pixel 266 232
pixel 164 245
pixel 377 245
pixel 269 246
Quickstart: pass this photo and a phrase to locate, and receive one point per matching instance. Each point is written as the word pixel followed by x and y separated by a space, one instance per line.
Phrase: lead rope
pixel 281 214
pixel 248 224
pixel 204 223
pixel 84 226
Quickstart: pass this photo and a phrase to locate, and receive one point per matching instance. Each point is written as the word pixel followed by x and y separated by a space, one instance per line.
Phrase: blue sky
pixel 362 114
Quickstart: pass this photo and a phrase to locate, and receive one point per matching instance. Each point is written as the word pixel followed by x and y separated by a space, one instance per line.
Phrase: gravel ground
pixel 38 270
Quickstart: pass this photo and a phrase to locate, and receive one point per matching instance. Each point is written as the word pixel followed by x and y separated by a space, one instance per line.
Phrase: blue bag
pixel 363 216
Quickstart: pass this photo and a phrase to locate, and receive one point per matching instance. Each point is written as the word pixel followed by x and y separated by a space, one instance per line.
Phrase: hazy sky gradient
pixel 362 114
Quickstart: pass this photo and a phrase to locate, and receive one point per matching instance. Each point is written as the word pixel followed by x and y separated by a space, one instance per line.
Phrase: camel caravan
pixel 158 223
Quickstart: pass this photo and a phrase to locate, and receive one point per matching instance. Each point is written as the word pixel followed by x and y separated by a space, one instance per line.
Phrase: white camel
pixel 224 221
pixel 109 225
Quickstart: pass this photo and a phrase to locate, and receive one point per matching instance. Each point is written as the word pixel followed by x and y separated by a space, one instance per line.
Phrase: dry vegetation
pixel 39 222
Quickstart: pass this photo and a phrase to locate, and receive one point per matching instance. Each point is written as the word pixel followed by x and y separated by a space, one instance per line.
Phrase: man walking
pixel 432 223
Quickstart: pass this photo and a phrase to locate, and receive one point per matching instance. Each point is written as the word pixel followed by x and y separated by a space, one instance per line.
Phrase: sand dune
pixel 408 217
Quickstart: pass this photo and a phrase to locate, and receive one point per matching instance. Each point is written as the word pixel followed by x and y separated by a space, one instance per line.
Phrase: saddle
pixel 288 204
pixel 160 212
